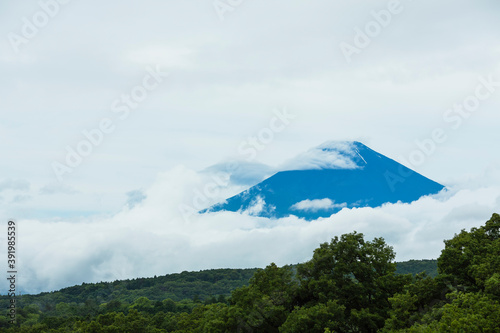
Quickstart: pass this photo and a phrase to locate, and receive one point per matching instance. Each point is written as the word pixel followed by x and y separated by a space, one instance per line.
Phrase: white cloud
pixel 153 238
pixel 14 185
pixel 257 206
pixel 135 197
pixel 55 188
pixel 21 198
pixel 339 155
pixel 316 205
pixel 240 172
pixel 166 57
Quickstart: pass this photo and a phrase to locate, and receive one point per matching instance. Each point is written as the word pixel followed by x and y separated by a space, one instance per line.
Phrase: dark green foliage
pixel 358 274
pixel 464 297
pixel 469 312
pixel 264 305
pixel 417 266
pixel 177 287
pixel 316 318
pixel 172 293
pixel 416 299
pixel 472 258
pixel 465 312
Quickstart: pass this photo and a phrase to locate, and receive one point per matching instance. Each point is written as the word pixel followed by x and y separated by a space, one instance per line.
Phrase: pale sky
pixel 205 77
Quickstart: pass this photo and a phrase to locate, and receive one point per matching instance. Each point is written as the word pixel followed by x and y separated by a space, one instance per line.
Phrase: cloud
pixel 329 155
pixel 57 188
pixel 240 172
pixel 135 197
pixel 21 198
pixel 257 206
pixel 166 57
pixel 153 238
pixel 317 204
pixel 15 185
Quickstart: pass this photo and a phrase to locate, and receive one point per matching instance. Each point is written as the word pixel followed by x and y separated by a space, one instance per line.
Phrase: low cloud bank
pixel 152 237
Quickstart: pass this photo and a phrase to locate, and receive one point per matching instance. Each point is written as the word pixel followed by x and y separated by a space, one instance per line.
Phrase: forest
pixel 349 285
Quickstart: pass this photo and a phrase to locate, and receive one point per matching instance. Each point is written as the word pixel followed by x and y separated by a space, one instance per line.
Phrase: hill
pixel 414 267
pixel 201 286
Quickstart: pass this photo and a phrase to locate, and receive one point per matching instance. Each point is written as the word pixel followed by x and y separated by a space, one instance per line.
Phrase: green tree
pixel 136 322
pixel 315 319
pixel 468 312
pixel 207 319
pixel 143 304
pixel 415 301
pixel 469 266
pixel 113 305
pixel 359 274
pixel 264 305
pixel 470 259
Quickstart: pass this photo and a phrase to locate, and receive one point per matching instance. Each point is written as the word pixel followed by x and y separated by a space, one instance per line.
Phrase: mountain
pixel 328 178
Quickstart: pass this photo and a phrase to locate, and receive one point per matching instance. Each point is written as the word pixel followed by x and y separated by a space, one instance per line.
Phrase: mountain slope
pixel 328 178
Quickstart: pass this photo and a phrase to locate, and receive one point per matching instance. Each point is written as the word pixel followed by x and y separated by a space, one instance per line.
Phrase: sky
pixel 119 119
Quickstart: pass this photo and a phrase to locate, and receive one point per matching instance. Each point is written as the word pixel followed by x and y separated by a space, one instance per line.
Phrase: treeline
pixel 202 285
pixel 173 293
pixel 349 285
pixel 418 266
pixel 180 286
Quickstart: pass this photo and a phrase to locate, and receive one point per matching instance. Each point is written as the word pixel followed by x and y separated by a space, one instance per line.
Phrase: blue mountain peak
pixel 325 179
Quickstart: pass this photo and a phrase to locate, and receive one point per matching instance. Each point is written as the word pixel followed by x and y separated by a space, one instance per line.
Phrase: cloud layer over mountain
pixel 155 237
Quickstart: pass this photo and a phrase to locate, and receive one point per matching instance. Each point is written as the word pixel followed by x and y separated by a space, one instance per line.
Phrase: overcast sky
pixel 110 110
